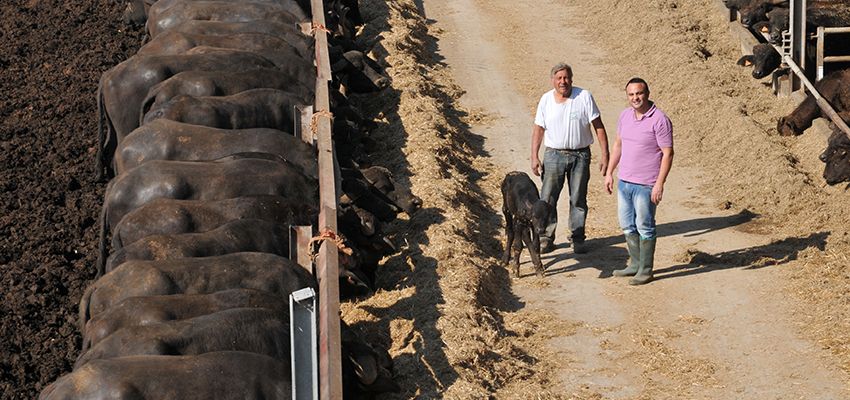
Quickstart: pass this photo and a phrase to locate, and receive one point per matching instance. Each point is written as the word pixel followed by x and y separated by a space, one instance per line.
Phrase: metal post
pixel 303 124
pixel 819 62
pixel 798 36
pixel 302 340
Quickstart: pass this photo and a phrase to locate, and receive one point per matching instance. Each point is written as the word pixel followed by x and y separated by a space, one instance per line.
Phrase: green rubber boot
pixel 647 259
pixel 633 244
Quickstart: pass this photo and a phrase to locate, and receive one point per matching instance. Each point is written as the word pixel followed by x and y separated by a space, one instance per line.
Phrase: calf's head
pixel 837 158
pixel 764 60
pixel 541 211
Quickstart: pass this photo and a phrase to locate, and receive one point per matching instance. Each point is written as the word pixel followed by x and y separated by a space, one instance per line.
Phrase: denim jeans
pixel 635 209
pixel 572 167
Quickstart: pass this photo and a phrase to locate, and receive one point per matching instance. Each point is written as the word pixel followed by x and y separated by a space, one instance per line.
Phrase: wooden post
pixel 299 242
pixel 327 262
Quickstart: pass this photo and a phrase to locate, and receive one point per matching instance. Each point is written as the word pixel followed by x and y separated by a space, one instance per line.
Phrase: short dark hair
pixel 638 80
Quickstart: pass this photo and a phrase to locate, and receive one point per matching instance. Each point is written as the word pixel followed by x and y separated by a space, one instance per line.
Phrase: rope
pixel 314 121
pixel 318 27
pixel 330 236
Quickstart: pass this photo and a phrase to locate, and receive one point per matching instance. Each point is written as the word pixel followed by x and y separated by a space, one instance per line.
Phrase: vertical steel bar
pixel 302 340
pixel 821 37
pixel 798 36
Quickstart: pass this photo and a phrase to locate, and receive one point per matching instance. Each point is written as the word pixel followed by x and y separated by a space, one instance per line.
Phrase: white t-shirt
pixel 567 125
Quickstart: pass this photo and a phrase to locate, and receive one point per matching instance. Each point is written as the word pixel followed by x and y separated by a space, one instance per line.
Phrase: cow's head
pixel 764 60
pixel 541 212
pixel 778 22
pixel 787 126
pixel 754 13
pixel 837 158
pixel 366 370
pixel 359 73
pixel 401 195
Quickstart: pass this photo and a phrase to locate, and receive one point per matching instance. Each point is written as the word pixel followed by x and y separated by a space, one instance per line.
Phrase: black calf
pixel 525 219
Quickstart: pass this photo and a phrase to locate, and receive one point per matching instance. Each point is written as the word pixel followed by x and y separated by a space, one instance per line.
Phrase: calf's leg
pixel 532 242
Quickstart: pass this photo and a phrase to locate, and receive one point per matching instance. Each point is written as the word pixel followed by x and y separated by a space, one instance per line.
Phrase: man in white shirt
pixel 563 123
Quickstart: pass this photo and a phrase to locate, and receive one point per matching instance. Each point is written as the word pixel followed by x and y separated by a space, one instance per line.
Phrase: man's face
pixel 563 83
pixel 638 96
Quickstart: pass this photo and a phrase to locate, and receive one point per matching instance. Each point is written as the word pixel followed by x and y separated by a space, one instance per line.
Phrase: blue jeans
pixel 572 167
pixel 635 209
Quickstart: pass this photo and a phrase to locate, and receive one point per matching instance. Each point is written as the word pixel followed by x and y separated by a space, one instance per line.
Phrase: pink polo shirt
pixel 642 140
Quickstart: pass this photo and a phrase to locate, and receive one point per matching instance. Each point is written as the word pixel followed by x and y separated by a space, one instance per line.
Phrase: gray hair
pixel 561 67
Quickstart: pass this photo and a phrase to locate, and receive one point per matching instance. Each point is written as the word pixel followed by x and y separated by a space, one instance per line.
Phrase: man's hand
pixel 536 167
pixel 609 183
pixel 657 193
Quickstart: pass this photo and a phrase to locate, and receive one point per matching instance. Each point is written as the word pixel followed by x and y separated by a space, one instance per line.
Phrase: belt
pixel 583 149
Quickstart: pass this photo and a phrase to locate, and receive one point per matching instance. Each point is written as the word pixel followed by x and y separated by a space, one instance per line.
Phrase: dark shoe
pixel 647 259
pixel 579 247
pixel 633 245
pixel 546 246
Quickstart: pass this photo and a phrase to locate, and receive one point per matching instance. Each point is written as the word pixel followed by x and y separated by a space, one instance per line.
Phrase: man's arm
pixel 536 139
pixel 616 152
pixel 666 164
pixel 602 137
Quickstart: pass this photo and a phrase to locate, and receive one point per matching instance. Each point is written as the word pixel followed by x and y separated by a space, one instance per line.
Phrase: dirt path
pixel 707 328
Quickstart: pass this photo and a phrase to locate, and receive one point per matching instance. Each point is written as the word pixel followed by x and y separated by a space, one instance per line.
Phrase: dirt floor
pixel 51 56
pixel 753 300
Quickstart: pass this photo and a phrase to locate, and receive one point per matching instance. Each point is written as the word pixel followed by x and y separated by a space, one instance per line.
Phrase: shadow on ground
pixel 606 254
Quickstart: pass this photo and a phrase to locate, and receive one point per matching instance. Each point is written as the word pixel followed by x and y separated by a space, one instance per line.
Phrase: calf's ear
pixel 745 61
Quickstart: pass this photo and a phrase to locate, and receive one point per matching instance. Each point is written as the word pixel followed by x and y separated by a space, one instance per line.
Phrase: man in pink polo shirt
pixel 644 151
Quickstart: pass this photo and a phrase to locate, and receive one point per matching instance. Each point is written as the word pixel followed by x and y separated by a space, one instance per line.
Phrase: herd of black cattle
pixel 772 17
pixel 197 133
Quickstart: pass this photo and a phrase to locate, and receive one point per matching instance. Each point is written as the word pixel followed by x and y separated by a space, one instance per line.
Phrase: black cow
pixel 359 191
pixel 222 83
pixel 526 216
pixel 356 71
pixel 147 310
pixel 261 271
pixel 164 139
pixel 764 60
pixel 401 196
pixel 275 49
pixel 255 108
pixel 256 330
pixel 237 236
pixel 834 89
pixel 826 13
pixel 181 12
pixel 172 216
pixel 227 375
pixel 300 8
pixel 291 33
pixel 195 180
pixel 837 158
pixel 757 11
pixel 123 88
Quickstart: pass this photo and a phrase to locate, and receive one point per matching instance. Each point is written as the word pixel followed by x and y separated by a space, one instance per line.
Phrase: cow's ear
pixel 745 61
